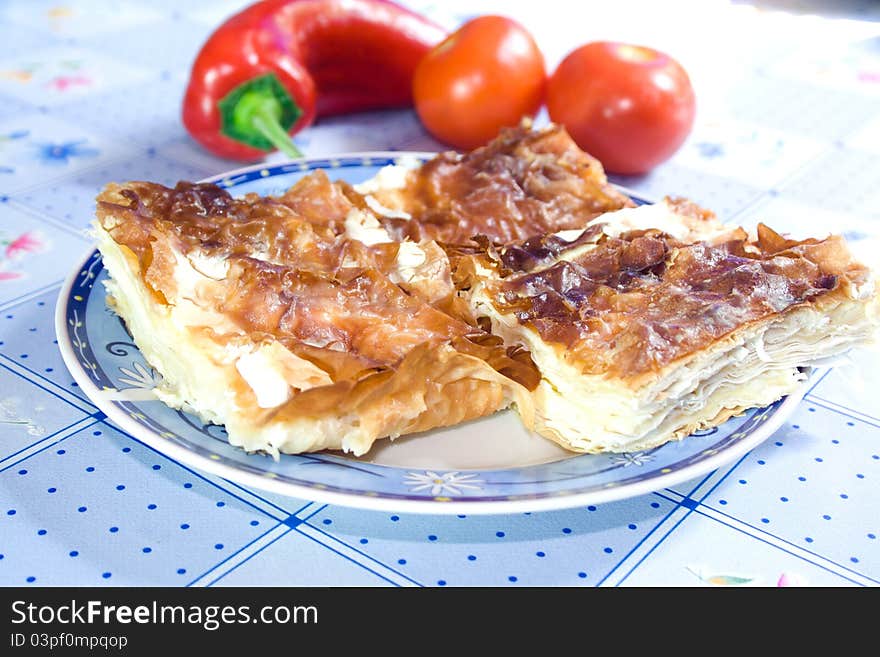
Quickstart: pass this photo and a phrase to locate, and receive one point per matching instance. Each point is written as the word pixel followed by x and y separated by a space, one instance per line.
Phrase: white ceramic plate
pixel 491 465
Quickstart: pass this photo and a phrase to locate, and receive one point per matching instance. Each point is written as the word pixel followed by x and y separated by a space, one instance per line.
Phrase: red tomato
pixel 629 106
pixel 487 75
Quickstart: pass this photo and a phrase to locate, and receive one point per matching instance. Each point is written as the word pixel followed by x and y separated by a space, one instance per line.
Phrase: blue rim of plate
pixel 96 349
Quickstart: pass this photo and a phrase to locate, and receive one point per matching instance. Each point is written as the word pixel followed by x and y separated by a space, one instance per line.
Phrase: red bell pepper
pixel 267 72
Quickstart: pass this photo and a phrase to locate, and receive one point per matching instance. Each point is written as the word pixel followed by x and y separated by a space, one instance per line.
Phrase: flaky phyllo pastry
pixel 647 325
pixel 294 337
pixel 332 316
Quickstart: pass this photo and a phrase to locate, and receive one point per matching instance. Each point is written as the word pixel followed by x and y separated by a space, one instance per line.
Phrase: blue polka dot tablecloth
pixel 788 132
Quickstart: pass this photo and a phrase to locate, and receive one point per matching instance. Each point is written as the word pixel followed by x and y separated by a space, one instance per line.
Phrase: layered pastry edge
pixel 751 366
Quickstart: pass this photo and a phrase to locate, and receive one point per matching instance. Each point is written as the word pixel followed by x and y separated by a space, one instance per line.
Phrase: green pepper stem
pixel 258 113
pixel 265 120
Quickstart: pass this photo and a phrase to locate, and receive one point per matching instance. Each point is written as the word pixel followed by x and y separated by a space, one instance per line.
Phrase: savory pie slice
pixel 334 315
pixel 281 326
pixel 656 321
pixel 525 182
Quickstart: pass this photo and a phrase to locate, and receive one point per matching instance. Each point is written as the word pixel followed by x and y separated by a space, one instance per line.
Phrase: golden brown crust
pixel 396 360
pixel 633 304
pixel 523 183
pixel 444 385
